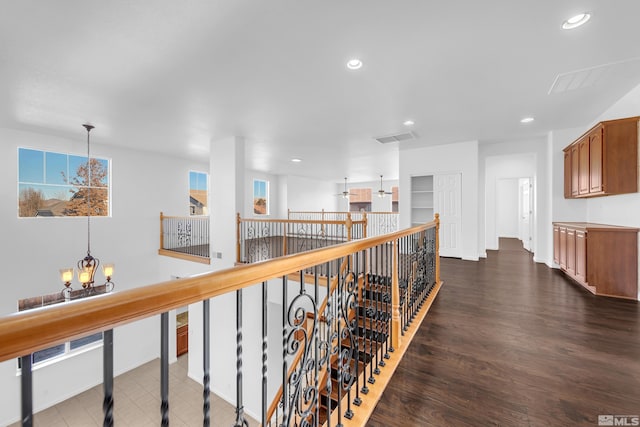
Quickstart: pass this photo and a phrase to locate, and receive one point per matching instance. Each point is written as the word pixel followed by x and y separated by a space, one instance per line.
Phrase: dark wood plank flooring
pixel 510 342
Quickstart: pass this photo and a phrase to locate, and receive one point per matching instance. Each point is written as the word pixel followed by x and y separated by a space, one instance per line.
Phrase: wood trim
pixel 186 257
pixel 29 331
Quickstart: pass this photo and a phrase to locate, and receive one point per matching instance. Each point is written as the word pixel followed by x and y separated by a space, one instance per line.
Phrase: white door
pixel 525 210
pixel 447 200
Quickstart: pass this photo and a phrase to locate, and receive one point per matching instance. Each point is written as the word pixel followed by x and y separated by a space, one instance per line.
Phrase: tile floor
pixel 137 402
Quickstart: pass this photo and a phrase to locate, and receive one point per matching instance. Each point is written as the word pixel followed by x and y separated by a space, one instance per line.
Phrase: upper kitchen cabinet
pixel 603 161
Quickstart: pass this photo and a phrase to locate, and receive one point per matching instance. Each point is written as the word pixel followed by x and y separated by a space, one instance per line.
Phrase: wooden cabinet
pixel 603 161
pixel 567 174
pixel 602 258
pixel 182 340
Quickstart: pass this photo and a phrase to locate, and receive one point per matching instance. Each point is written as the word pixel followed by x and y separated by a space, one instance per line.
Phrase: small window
pixel 198 193
pixel 56 184
pixel 260 197
pixel 70 346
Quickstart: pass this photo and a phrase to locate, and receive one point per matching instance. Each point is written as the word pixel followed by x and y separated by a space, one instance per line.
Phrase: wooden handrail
pixel 299 221
pixel 26 332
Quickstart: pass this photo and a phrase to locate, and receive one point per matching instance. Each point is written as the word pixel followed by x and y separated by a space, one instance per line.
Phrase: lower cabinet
pixel 601 258
pixel 182 340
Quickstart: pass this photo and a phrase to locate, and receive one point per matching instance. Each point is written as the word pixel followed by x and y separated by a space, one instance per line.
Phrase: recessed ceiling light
pixel 576 21
pixel 408 123
pixel 296 160
pixel 354 64
pixel 527 120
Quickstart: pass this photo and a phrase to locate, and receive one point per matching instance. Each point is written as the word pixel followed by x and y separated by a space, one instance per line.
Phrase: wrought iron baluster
pixel 107 377
pixel 240 419
pixel 265 339
pixel 386 297
pixel 365 280
pixel 377 308
pixel 357 400
pixel 26 381
pixel 206 360
pixel 164 368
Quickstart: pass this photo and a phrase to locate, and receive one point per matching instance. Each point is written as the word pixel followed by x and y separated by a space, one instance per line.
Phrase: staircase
pixel 341 355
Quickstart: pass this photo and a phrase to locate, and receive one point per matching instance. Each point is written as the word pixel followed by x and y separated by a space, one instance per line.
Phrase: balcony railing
pixel 344 331
pixel 262 239
pixel 185 237
pixel 378 223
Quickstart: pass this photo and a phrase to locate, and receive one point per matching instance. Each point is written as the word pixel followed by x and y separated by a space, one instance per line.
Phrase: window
pixel 70 346
pixel 56 184
pixel 260 197
pixel 198 193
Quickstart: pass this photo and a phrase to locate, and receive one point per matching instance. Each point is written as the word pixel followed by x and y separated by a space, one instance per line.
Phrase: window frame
pixel 57 188
pixel 192 208
pixel 266 197
pixel 68 349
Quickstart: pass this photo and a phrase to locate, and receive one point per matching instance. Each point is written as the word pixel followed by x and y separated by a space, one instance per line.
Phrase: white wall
pixel 498 168
pixel 459 157
pixel 622 209
pixel 524 152
pixel 306 194
pixel 507 205
pixel 143 184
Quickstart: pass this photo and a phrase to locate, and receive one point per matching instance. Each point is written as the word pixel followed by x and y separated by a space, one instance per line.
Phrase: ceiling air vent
pixel 395 138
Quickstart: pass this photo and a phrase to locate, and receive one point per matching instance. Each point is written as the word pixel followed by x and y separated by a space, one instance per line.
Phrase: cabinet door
pixel 563 248
pixel 583 166
pixel 595 161
pixel 575 171
pixel 182 340
pixel 571 251
pixel 556 244
pixel 567 174
pixel 581 256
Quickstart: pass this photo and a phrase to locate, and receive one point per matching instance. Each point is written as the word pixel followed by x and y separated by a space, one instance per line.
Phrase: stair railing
pixel 185 237
pixel 262 239
pixel 326 386
pixel 378 223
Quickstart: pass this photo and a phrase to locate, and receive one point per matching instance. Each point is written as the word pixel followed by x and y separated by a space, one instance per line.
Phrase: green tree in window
pixel 30 201
pixel 97 190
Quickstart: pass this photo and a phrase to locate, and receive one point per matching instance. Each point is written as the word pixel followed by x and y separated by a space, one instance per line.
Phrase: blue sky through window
pixel 197 180
pixel 259 189
pixel 52 173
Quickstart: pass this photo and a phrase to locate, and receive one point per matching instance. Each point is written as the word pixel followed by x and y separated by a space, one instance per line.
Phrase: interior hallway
pixel 513 343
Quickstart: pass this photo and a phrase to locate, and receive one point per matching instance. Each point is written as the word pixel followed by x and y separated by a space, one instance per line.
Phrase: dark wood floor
pixel 513 343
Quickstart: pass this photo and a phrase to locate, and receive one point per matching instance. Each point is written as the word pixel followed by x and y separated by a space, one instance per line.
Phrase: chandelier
pixel 88 265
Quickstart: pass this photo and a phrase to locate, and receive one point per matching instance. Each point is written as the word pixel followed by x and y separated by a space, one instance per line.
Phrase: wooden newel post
pixel 437 220
pixel 238 220
pixel 348 223
pixel 365 225
pixel 395 299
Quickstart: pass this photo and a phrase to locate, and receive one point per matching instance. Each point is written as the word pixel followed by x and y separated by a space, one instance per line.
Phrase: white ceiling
pixel 172 75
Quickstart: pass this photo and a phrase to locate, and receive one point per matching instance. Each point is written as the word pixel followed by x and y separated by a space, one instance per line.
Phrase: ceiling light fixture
pixel 527 120
pixel 354 64
pixel 88 265
pixel 296 160
pixel 576 21
pixel 408 123
pixel 381 192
